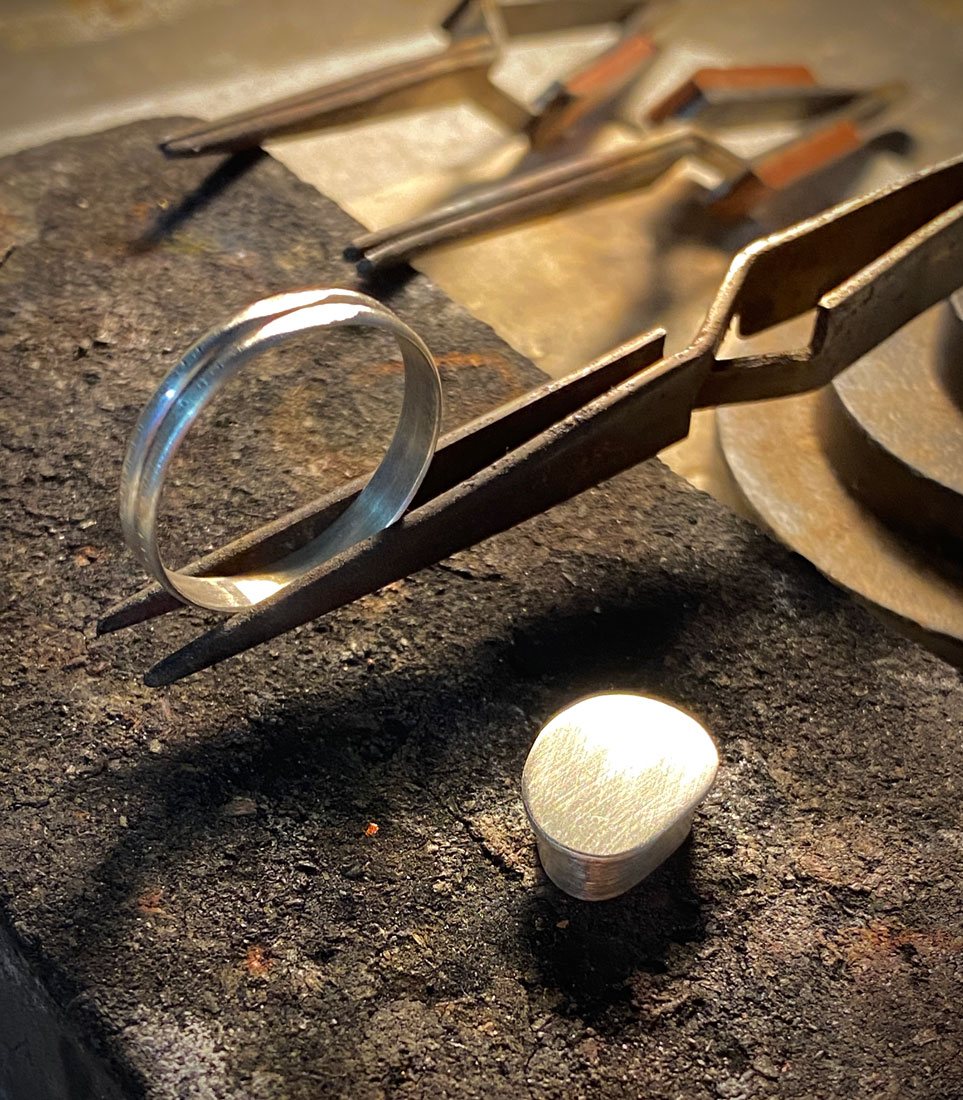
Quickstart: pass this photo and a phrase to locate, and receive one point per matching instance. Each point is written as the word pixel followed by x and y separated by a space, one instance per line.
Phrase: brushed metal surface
pixel 610 787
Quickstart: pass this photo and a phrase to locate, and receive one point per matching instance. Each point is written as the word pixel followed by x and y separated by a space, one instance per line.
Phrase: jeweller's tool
pixel 476 30
pixel 565 103
pixel 589 178
pixel 610 788
pixel 737 95
pixel 827 142
pixel 866 267
pixel 566 183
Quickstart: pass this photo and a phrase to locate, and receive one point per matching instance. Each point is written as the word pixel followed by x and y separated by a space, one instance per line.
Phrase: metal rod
pixel 577 182
pixel 331 102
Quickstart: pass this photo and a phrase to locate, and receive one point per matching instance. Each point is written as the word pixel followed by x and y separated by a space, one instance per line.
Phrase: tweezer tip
pixel 117 617
pixel 107 625
pixel 158 676
pixel 180 664
pixel 352 253
pixel 178 147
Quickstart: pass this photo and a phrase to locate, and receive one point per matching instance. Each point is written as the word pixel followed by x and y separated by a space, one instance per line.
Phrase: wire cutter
pixel 865 268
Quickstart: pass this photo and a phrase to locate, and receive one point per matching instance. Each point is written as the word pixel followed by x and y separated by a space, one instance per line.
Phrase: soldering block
pixel 193 901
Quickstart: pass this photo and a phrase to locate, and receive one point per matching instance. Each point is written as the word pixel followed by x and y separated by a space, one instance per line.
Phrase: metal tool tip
pixel 158 676
pixel 352 253
pixel 207 649
pixel 175 666
pixel 365 267
pixel 177 147
pixel 108 624
pixel 123 614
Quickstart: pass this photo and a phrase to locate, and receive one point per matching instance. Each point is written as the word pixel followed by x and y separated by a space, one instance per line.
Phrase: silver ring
pixel 213 361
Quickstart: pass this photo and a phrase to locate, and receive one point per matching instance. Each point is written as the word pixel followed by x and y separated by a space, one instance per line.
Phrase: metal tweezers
pixel 838 122
pixel 866 268
pixel 476 30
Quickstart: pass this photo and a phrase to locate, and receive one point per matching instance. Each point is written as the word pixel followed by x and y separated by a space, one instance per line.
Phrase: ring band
pixel 212 362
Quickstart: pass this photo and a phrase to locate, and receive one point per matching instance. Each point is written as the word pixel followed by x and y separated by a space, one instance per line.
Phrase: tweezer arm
pixel 573 181
pixel 612 433
pixel 866 267
pixel 334 102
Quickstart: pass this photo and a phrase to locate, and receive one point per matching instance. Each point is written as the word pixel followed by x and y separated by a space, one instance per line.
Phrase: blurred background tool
pixel 825 142
pixel 570 101
pixel 476 29
pixel 745 182
pixel 866 268
pixel 751 94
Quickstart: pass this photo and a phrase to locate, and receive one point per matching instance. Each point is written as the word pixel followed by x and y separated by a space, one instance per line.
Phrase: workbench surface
pixel 190 904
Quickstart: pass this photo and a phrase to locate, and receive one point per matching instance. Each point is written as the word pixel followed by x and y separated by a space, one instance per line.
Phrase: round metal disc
pixel 894 431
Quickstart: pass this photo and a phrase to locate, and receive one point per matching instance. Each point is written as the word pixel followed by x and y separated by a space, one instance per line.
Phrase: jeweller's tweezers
pixel 476 29
pixel 585 178
pixel 866 268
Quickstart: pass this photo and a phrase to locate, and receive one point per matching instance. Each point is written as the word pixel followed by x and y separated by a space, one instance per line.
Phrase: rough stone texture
pixel 188 871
